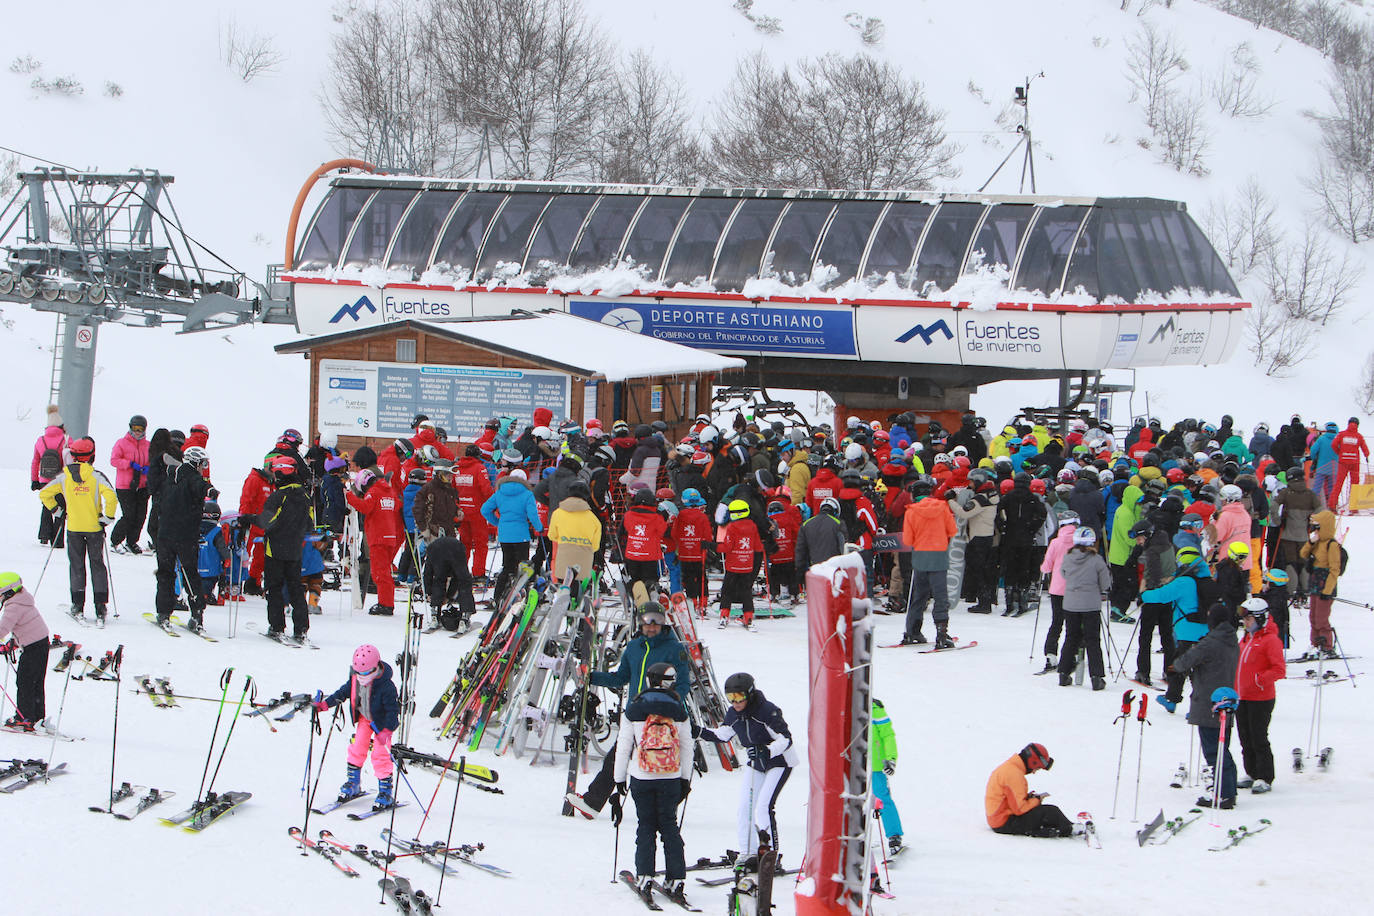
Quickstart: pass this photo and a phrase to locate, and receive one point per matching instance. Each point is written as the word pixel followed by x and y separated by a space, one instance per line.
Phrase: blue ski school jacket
pixel 763 732
pixel 513 511
pixel 384 709
pixel 408 506
pixel 1182 592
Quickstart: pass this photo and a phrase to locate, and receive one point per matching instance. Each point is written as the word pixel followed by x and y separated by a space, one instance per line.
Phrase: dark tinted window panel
pixel 1083 267
pixel 742 249
pixel 376 226
pixel 1151 270
pixel 695 247
pixel 327 237
pixel 794 242
pixel 557 231
pixel 1115 271
pixel 1169 272
pixel 847 237
pixel 653 230
pixel 1047 249
pixel 510 234
pixel 458 248
pixel 600 242
pixel 895 241
pixel 942 253
pixel 1215 278
pixel 418 233
pixel 1000 237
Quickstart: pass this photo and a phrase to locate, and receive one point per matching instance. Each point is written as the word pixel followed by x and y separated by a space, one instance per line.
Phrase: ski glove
pixel 617 811
pixel 35 485
pixel 890 767
pixel 686 789
pixel 321 705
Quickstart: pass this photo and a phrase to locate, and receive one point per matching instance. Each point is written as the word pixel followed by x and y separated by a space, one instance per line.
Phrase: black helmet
pixel 138 419
pixel 177 437
pixel 210 511
pixel 922 487
pixel 660 675
pixel 740 682
pixel 643 497
pixel 1021 479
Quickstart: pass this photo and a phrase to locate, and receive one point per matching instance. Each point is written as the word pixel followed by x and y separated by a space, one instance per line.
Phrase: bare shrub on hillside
pixel 1182 134
pixel 1279 15
pixel 768 25
pixel 380 100
pixel 1346 195
pixel 1153 62
pixel 25 65
pixel 1323 25
pixel 1364 392
pixel 1235 89
pixel 1278 341
pixel 830 122
pixel 63 85
pixel 113 90
pixel 530 77
pixel 1243 229
pixel 9 168
pixel 249 53
pixel 1348 131
pixel 1309 281
pixel 649 136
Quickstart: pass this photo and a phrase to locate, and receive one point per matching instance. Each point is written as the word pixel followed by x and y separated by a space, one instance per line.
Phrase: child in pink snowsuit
pixel 376 708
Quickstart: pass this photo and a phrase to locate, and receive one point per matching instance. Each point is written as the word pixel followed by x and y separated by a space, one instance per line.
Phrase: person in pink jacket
pixel 50 456
pixel 21 618
pixel 129 457
pixel 1053 567
pixel 1261 666
pixel 1232 523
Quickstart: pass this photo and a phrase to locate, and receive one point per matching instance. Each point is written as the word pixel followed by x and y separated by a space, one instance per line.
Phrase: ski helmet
pixel 364 479
pixel 1231 493
pixel 668 508
pixel 10 584
pixel 1036 757
pixel 196 457
pixel 404 448
pixel 692 497
pixel 1084 537
pixel 1191 522
pixel 416 475
pixel 643 497
pixel 1257 608
pixel 366 658
pixel 83 449
pixel 830 505
pixel 1277 577
pixel 660 675
pixel 293 436
pixel 138 421
pixel 281 465
pixel 739 687
pixel 177 438
pixel 429 454
pixel 776 508
pixel 738 509
pixel 921 487
pixel 651 612
pixel 854 452
pixel 334 463
pixel 202 429
pixel 1187 556
pixel 1068 518
pixel 210 511
pixel 1238 551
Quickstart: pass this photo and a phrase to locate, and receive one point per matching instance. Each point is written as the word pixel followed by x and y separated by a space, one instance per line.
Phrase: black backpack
pixel 49 464
pixel 1208 594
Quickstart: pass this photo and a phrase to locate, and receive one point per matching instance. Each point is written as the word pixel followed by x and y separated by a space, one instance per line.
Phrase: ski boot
pixel 748 621
pixel 676 892
pixel 100 615
pixel 894 845
pixel 19 724
pixel 1168 704
pixel 1051 662
pixel 1028 600
pixel 1065 680
pixel 580 805
pixel 914 639
pixel 385 799
pixel 1099 683
pixel 1013 602
pixel 381 610
pixel 353 786
pixel 196 624
pixel 942 640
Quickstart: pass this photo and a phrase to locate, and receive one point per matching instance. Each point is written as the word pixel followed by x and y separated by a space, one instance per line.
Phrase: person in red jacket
pixel 825 485
pixel 782 568
pixel 1349 445
pixel 375 501
pixel 200 435
pixel 257 486
pixel 741 543
pixel 1261 666
pixel 1142 445
pixel 643 528
pixel 426 433
pixel 691 533
pixel 474 488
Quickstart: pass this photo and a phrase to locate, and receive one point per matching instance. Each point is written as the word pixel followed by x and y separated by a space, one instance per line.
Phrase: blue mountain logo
pixel 354 311
pixel 927 332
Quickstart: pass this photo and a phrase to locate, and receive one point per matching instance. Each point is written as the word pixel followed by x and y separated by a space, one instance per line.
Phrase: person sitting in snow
pixel 1010 805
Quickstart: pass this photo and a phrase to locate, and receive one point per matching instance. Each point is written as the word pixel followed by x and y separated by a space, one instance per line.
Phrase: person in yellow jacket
pixel 1323 552
pixel 798 475
pixel 998 447
pixel 1012 808
pixel 84 498
pixel 575 532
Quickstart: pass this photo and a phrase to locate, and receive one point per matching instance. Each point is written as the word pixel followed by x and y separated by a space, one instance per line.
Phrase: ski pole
pixel 1125 714
pixel 109 579
pixel 615 851
pixel 60 706
pixel 5 691
pixel 1336 638
pixel 309 759
pixel 1140 751
pixel 1035 629
pixel 224 680
pixel 448 838
pixel 248 686
pixel 333 727
pixel 391 827
pixel 1121 666
pixel 1217 768
pixel 118 665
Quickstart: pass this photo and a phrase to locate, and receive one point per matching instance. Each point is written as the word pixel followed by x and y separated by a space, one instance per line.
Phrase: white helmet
pixel 854 452
pixel 1231 493
pixel 685 450
pixel 329 440
pixel 944 458
pixel 542 432
pixel 707 434
pixel 852 422
pixel 1199 457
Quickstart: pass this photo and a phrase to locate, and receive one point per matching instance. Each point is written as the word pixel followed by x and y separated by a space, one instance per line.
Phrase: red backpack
pixel 659 747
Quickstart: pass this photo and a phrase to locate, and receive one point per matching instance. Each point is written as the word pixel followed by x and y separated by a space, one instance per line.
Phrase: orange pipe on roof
pixel 305 191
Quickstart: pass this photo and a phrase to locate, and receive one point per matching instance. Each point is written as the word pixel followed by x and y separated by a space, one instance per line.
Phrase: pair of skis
pixel 293 703
pixel 159 690
pixel 1237 835
pixel 436 853
pixel 27 772
pixel 1323 759
pixel 129 801
pixel 173 626
pixel 354 815
pixel 206 812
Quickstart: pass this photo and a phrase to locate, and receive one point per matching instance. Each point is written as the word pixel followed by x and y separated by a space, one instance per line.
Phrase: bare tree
pixel 1235 86
pixel 526 80
pixel 1348 131
pixel 1364 392
pixel 1279 15
pixel 833 122
pixel 1182 134
pixel 1309 281
pixel 1153 62
pixel 249 53
pixel 1243 228
pixel 1278 341
pixel 1346 195
pixel 381 100
pixel 1322 24
pixel 649 135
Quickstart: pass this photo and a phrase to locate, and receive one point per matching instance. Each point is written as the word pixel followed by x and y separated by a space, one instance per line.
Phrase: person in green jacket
pixel 882 753
pixel 1125 577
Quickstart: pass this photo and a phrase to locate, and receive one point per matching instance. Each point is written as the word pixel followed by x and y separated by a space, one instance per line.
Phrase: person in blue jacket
pixel 515 514
pixel 212 561
pixel 1188 591
pixel 1261 443
pixel 1322 454
pixel 312 571
pixel 376 708
pixel 1189 532
pixel 408 569
pixel 332 495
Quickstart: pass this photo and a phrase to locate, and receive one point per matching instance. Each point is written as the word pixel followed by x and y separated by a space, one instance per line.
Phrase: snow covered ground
pixel 957 717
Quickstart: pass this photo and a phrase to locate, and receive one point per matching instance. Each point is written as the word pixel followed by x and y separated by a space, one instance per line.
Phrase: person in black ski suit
pixel 1086 499
pixel 1019 517
pixel 285 521
pixel 967 436
pixel 821 537
pixel 178 533
pixel 448 580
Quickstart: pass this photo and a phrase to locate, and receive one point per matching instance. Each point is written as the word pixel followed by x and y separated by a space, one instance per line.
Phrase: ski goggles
pixel 736 697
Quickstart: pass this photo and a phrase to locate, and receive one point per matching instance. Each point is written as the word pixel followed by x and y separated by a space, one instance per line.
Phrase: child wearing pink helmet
pixel 376 709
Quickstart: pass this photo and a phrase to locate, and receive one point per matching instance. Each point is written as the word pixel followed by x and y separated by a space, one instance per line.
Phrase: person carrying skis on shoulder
pixel 83 499
pixel 1260 667
pixel 1087 583
pixel 285 520
pixel 1211 664
pixel 21 617
pixel 761 729
pixel 1011 807
pixel 653 760
pixel 376 709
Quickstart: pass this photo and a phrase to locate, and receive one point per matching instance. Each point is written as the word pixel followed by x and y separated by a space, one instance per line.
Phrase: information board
pixel 380 399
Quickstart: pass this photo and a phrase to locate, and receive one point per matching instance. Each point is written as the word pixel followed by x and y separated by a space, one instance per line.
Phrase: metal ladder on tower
pixel 55 379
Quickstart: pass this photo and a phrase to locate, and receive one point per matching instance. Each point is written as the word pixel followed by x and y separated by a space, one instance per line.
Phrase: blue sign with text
pixel 731 328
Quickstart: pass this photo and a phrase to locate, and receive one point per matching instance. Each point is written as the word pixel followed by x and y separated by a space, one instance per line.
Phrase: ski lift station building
pixel 887 300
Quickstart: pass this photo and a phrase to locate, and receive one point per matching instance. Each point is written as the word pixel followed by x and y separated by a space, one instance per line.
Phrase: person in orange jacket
pixel 927 528
pixel 1012 808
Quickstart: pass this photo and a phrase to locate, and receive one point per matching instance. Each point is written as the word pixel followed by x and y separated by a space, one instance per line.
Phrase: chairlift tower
pixel 97 247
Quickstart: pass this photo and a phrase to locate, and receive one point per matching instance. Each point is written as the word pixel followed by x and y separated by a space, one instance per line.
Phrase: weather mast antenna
pixel 1021 96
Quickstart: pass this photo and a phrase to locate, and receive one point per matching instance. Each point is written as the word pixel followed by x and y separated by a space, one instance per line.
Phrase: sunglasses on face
pixel 736 697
